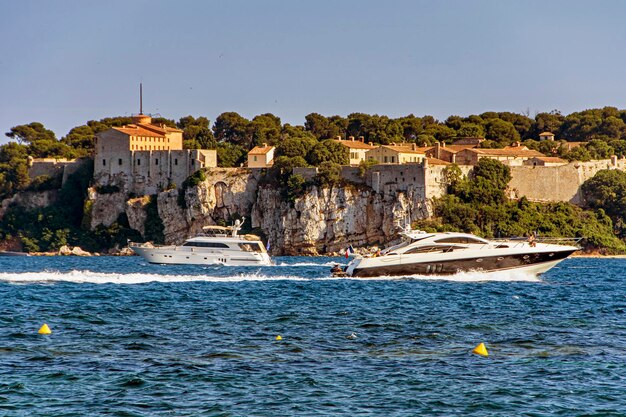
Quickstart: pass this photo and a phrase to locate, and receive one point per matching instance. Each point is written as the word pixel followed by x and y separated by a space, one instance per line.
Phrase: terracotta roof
pixel 406 149
pixel 511 151
pixel 139 130
pixel 260 150
pixel 354 144
pixel 456 148
pixel 435 161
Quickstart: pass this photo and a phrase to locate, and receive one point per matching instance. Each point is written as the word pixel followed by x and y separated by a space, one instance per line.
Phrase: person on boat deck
pixel 336 269
pixel 531 240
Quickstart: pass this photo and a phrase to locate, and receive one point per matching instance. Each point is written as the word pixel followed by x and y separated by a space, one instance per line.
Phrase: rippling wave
pixel 198 340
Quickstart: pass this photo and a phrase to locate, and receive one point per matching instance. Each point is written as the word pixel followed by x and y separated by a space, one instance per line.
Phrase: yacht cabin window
pixel 459 239
pixel 206 244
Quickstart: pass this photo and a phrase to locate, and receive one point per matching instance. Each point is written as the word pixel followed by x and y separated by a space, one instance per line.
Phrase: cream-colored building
pixel 511 155
pixel 546 136
pixel 147 157
pixel 397 154
pixel 261 156
pixel 357 149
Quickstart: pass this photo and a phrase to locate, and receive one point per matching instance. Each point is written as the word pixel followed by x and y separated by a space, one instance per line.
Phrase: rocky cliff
pixel 327 220
pixel 321 220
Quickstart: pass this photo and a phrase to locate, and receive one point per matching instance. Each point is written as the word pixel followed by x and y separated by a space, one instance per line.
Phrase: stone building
pixel 356 148
pixel 397 154
pixel 145 158
pixel 445 152
pixel 546 136
pixel 511 155
pixel 545 161
pixel 261 156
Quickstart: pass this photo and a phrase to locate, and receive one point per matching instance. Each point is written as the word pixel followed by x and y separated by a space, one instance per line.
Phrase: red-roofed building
pixel 261 156
pixel 403 153
pixel 356 148
pixel 511 155
pixel 147 157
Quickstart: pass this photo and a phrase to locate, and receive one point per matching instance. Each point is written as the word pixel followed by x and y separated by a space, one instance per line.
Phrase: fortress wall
pixel 560 183
pixel 55 167
pixel 51 169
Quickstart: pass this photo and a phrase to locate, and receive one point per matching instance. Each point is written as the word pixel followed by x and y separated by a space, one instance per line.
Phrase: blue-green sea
pixel 133 339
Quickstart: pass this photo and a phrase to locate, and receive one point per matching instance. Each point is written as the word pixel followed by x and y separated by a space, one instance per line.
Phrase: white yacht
pixel 422 253
pixel 217 245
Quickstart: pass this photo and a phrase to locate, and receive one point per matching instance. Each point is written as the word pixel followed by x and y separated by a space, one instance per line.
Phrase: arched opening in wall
pixel 220 189
pixel 221 210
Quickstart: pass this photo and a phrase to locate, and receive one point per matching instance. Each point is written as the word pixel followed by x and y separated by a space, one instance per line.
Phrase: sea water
pixel 134 339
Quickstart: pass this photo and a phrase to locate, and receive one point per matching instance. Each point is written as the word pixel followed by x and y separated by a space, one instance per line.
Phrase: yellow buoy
pixel 44 329
pixel 481 350
pixel 279 337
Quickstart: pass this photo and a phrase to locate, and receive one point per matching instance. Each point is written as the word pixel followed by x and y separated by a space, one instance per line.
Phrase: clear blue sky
pixel 65 62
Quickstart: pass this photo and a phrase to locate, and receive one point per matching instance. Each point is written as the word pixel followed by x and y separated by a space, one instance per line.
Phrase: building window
pixel 104 162
pixel 119 161
pixel 254 158
pixel 139 162
pixel 193 162
pixel 393 159
pixel 156 161
pixel 385 159
pixel 175 161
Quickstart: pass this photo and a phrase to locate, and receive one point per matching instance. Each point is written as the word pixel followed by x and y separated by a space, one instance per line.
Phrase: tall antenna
pixel 140 98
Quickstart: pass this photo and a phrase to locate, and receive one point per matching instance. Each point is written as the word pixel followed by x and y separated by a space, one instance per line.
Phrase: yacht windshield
pixel 250 247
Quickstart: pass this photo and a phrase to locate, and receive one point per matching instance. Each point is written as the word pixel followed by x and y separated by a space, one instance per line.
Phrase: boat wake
pixel 90 277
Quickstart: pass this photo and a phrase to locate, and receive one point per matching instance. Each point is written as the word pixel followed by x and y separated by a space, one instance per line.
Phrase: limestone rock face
pixel 29 200
pixel 105 208
pixel 327 220
pixel 136 213
pixel 321 221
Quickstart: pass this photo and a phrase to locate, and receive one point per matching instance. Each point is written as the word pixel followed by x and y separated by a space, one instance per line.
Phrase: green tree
pixel 504 133
pixel 607 190
pixel 329 174
pixel 325 127
pixel 265 128
pixel 328 151
pixel 233 128
pixel 13 169
pixel 230 155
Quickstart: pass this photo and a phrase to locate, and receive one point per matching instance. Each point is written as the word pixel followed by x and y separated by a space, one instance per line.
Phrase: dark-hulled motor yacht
pixel 422 253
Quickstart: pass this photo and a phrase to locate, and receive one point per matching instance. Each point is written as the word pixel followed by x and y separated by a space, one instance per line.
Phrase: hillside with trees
pixel 597 133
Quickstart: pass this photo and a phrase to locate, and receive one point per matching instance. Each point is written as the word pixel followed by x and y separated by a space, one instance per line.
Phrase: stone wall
pixel 148 172
pixel 557 183
pixel 53 167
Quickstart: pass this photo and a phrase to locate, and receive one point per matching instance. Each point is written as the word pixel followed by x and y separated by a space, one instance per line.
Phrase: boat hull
pixel 532 263
pixel 183 256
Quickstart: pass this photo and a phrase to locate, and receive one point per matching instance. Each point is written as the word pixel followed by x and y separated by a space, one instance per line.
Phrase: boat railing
pixel 521 241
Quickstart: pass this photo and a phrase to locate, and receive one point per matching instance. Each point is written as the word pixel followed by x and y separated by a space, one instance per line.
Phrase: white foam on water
pixel 325 264
pixel 90 277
